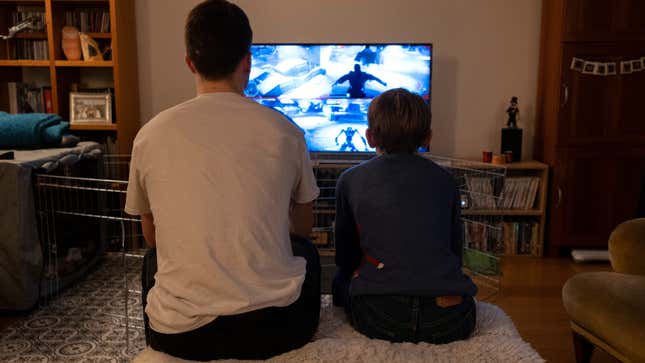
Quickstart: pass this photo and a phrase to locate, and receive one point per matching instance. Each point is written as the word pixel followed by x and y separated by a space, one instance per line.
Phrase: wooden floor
pixel 531 294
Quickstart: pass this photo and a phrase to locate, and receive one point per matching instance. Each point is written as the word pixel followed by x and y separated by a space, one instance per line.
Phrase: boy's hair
pixel 399 121
pixel 218 35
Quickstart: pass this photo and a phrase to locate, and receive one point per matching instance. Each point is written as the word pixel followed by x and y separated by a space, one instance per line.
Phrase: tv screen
pixel 326 89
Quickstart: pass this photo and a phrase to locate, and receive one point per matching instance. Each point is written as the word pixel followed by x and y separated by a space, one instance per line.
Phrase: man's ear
pixel 190 65
pixel 246 63
pixel 370 138
pixel 428 139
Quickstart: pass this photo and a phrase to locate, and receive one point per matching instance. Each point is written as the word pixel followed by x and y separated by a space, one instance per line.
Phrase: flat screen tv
pixel 326 89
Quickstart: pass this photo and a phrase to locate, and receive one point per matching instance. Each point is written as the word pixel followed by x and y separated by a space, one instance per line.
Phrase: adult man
pixel 217 181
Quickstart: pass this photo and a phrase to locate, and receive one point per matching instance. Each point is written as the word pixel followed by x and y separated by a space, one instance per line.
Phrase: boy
pixel 398 234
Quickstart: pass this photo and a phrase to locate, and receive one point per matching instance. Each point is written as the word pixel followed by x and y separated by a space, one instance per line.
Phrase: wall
pixel 485 52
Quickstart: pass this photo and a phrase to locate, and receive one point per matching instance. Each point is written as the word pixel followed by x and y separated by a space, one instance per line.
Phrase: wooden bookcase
pixel 324 207
pixel 535 214
pixel 119 73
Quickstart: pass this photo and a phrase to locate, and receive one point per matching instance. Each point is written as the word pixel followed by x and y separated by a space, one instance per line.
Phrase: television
pixel 326 89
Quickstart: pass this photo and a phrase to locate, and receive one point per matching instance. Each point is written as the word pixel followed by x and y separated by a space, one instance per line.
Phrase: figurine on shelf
pixel 91 49
pixel 513 114
pixel 71 43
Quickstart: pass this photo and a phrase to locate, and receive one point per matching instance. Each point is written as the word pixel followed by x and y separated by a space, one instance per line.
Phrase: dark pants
pixel 400 318
pixel 258 334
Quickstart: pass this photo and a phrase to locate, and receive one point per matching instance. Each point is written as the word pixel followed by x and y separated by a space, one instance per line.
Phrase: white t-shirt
pixel 218 174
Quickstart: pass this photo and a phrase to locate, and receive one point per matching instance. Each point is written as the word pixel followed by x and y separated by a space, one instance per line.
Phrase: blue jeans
pixel 412 318
pixel 400 318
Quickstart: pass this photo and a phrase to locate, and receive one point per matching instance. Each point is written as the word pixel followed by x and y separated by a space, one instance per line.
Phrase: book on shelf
pixel 483 236
pixel 30 49
pixel 480 190
pixel 88 20
pixel 27 98
pixel 519 193
pixel 520 238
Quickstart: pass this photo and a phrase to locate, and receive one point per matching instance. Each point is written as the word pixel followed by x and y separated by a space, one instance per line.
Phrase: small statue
pixel 71 43
pixel 513 114
pixel 90 48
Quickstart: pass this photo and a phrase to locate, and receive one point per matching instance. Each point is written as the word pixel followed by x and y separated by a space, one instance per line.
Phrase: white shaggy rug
pixel 495 340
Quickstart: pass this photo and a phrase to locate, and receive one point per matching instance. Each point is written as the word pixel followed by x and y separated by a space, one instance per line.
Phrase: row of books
pixel 29 49
pixel 520 238
pixel 89 20
pixel 481 193
pixel 519 193
pixel 27 98
pixel 509 238
pixel 23 13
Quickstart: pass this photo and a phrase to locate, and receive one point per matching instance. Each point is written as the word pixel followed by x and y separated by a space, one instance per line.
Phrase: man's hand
pixel 148 227
pixel 302 219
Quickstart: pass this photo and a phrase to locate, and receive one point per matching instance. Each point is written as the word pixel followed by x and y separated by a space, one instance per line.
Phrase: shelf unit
pixel 537 213
pixel 119 73
pixel 327 174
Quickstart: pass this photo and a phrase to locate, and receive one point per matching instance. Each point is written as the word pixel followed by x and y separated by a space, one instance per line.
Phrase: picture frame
pixel 625 67
pixel 611 69
pixel 637 66
pixel 589 68
pixel 90 108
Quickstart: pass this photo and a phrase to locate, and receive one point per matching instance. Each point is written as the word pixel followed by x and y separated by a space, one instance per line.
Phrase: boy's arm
pixel 348 250
pixel 457 232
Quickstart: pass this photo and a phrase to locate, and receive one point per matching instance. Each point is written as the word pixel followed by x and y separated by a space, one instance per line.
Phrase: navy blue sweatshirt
pixel 398 229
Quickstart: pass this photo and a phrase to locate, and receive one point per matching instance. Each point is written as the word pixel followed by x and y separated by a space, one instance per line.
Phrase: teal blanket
pixel 31 130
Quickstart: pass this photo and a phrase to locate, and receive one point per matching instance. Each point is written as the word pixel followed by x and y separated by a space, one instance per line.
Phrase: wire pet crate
pixel 80 217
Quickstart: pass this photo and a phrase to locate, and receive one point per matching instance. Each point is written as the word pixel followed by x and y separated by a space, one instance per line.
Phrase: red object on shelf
pixel 47 98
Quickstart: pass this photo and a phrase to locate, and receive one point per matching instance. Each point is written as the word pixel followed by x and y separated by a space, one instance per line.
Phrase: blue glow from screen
pixel 327 89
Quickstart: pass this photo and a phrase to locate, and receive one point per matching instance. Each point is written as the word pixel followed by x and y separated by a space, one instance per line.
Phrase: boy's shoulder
pixel 418 166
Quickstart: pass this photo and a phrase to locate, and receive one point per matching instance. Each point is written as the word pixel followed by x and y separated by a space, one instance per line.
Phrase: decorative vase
pixel 90 48
pixel 71 43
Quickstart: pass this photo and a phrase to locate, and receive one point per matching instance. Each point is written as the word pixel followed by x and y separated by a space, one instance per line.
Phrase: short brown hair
pixel 399 121
pixel 218 36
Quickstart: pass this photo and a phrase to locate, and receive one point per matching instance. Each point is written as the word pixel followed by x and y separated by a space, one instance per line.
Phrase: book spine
pixel 47 95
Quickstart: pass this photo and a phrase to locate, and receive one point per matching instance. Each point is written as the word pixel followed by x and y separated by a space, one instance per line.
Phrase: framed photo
pixel 90 108
pixel 625 67
pixel 637 66
pixel 589 68
pixel 611 69
pixel 577 64
pixel 600 69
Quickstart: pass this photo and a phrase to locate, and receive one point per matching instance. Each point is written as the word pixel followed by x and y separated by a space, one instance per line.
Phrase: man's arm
pixel 341 79
pixel 148 227
pixel 302 219
pixel 371 77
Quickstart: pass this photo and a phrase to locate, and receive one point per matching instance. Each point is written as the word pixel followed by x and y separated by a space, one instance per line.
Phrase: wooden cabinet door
pixel 601 20
pixel 629 124
pixel 580 215
pixel 626 183
pixel 593 191
pixel 601 109
pixel 588 101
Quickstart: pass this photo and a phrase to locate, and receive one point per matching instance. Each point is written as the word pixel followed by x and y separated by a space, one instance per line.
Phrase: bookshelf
pixel 118 73
pixel 535 214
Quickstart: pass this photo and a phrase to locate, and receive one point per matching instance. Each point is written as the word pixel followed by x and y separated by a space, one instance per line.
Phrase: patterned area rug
pixel 85 323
